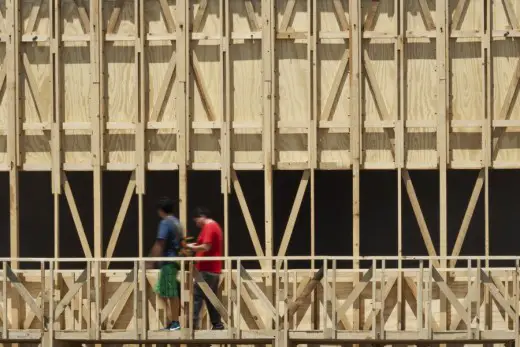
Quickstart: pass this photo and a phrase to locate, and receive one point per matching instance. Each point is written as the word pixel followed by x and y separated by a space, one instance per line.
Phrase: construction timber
pixel 71 306
pixel 137 87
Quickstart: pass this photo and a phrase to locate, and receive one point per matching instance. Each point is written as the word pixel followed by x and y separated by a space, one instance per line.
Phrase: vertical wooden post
pixel 141 100
pixel 443 114
pixel 268 40
pixel 400 155
pixel 57 108
pixel 356 79
pixel 226 165
pixel 97 112
pixel 13 124
pixel 182 115
pixel 487 44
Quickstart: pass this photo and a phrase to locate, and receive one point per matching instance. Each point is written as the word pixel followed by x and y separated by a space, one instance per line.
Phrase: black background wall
pixel 333 211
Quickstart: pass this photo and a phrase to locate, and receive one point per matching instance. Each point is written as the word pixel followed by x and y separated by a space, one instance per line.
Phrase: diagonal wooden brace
pixel 24 293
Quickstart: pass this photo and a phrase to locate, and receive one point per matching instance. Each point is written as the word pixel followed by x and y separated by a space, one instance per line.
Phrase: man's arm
pixel 205 243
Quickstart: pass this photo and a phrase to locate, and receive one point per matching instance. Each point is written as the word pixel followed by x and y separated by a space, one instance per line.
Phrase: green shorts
pixel 168 286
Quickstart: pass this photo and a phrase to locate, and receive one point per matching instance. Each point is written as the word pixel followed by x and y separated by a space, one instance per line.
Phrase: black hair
pixel 201 212
pixel 165 204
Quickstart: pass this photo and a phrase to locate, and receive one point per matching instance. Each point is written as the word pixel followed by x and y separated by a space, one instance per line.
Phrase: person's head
pixel 201 215
pixel 165 207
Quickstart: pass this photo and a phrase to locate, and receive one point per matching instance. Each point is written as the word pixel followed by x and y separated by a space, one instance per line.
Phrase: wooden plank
pixel 34 89
pixel 211 296
pixel 76 217
pixel 247 215
pixel 340 14
pixel 357 290
pixel 249 281
pixel 199 16
pixel 289 9
pixel 250 305
pixel 378 95
pixel 419 215
pixel 73 290
pixel 83 16
pixel 170 21
pixel 457 14
pixel 505 111
pixel 371 18
pixel 204 95
pixel 120 292
pixel 251 16
pixel 427 15
pixel 294 213
pixel 35 11
pixel 336 83
pixel 511 15
pixel 467 217
pixel 123 210
pixel 24 293
pixel 356 87
pixel 450 296
pixel 487 281
pixel 389 286
pixel 114 16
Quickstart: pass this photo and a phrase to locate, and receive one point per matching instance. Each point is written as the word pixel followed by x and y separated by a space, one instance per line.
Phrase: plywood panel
pixel 506 60
pixel 382 61
pixel 75 88
pixel 121 85
pixel 36 90
pixel 467 87
pixel 246 83
pixel 333 85
pixel 3 88
pixel 420 143
pixel 162 84
pixel 292 85
pixel 206 86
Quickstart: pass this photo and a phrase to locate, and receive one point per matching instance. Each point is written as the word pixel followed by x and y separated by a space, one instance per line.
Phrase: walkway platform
pixel 420 301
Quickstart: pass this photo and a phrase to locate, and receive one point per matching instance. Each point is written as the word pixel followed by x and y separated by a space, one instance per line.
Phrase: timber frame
pixel 68 305
pixel 235 85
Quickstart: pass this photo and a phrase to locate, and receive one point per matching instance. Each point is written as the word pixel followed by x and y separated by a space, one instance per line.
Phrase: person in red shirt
pixel 209 244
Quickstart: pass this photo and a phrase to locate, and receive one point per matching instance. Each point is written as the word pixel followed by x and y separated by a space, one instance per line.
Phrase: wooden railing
pixel 413 300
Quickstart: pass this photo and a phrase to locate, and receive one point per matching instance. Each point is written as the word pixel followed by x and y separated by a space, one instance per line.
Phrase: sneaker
pixel 218 326
pixel 174 326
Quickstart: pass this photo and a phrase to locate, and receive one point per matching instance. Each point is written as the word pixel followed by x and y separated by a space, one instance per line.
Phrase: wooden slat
pixel 170 20
pixel 212 297
pixel 35 11
pixel 114 17
pixel 161 96
pixel 247 215
pixel 73 290
pixel 294 213
pixel 335 88
pixel 251 16
pixel 76 217
pixel 457 14
pixel 24 293
pixel 467 217
pixel 83 16
pixel 452 298
pixel 289 8
pixel 340 13
pixel 130 189
pixel 427 15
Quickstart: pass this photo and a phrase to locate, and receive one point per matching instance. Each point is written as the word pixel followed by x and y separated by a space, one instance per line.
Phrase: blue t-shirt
pixel 170 229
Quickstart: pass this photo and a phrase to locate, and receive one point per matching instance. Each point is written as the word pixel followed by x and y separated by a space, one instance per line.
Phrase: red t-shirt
pixel 210 234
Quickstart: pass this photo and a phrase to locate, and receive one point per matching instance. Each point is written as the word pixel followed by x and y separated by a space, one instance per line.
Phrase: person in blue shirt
pixel 167 244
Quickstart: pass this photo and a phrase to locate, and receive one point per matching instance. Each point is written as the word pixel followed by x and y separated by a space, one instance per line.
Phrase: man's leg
pixel 213 280
pixel 198 300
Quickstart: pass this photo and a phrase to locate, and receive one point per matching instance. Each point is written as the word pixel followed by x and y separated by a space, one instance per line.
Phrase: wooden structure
pixel 71 305
pixel 230 85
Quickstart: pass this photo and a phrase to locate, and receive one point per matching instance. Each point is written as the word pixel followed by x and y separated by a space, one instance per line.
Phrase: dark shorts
pixel 168 286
